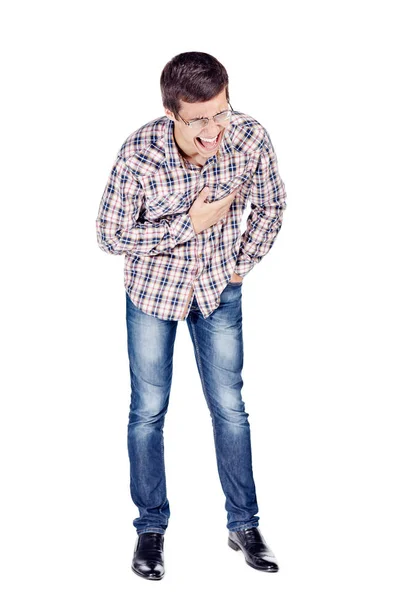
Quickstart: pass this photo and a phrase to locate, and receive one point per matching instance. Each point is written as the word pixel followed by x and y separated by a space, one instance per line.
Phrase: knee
pixel 149 410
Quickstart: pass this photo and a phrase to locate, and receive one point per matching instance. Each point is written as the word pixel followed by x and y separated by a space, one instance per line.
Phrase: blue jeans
pixel 218 348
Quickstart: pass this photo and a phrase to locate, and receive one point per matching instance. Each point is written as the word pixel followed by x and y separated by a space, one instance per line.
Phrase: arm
pixel 267 197
pixel 117 227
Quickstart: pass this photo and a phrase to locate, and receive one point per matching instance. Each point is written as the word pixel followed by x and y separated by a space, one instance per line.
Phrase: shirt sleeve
pixel 267 200
pixel 117 227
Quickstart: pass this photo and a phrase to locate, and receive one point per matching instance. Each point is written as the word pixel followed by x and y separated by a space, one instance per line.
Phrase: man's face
pixel 188 138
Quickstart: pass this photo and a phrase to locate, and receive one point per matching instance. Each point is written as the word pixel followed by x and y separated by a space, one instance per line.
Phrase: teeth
pixel 209 139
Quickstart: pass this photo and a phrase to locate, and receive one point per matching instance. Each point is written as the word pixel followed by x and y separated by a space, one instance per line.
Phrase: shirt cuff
pixel 183 230
pixel 242 268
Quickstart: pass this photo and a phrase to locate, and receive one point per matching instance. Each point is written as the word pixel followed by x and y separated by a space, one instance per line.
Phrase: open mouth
pixel 209 144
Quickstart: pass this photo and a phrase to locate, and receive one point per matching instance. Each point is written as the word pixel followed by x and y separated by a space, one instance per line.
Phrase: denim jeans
pixel 218 349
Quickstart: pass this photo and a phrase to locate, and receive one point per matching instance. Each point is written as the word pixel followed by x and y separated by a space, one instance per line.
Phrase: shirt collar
pixel 174 158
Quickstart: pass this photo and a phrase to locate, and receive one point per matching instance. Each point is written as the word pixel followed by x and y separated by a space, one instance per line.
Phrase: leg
pixel 218 346
pixel 150 348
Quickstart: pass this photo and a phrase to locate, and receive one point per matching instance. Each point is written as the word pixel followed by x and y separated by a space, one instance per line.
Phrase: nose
pixel 211 130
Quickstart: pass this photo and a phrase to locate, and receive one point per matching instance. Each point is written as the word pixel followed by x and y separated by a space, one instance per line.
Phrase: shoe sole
pixel 235 547
pixel 146 577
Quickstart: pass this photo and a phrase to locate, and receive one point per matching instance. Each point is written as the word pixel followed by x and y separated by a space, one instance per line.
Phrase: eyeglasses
pixel 221 117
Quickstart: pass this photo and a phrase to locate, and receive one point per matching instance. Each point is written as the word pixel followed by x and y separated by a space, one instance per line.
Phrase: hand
pixel 236 278
pixel 203 214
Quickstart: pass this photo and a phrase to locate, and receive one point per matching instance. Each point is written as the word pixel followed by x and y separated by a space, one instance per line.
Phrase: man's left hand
pixel 236 278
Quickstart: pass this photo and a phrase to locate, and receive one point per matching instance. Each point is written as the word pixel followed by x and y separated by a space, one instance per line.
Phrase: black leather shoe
pixel 148 557
pixel 256 552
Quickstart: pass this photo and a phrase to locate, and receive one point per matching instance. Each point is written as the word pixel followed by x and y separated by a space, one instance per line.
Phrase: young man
pixel 173 206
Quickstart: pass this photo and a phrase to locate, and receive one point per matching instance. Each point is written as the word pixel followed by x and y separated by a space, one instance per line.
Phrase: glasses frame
pixel 208 119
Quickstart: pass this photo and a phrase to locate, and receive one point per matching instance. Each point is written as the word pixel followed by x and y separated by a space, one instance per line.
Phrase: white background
pixel 320 311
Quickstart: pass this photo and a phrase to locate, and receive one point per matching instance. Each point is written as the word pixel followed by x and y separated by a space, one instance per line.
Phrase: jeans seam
pixel 197 351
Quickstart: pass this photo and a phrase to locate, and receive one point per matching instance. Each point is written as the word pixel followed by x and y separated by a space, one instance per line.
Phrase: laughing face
pixel 197 145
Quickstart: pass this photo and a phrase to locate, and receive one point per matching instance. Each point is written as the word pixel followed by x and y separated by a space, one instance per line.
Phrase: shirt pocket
pixel 166 205
pixel 224 188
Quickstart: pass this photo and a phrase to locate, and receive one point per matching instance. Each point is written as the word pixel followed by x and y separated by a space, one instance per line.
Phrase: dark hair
pixel 192 77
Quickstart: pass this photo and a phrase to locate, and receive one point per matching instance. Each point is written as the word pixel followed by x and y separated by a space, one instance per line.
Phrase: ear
pixel 169 114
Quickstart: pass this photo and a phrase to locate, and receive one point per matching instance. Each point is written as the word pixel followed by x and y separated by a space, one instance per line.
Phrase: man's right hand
pixel 204 214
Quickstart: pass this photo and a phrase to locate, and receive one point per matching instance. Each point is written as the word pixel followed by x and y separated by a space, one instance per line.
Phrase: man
pixel 173 206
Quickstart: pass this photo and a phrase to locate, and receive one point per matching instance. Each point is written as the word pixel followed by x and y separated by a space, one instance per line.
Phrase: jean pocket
pixel 235 283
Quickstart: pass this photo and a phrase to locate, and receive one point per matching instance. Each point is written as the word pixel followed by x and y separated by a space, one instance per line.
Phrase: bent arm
pixel 117 228
pixel 267 199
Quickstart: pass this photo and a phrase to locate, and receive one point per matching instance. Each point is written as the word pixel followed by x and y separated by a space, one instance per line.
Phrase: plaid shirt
pixel 143 214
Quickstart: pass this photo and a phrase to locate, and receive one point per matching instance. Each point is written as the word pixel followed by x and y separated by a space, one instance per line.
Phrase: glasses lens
pixel 221 118
pixel 198 123
pixel 224 116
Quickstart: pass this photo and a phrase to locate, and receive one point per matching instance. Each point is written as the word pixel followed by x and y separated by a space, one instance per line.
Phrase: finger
pixel 228 200
pixel 233 193
pixel 236 190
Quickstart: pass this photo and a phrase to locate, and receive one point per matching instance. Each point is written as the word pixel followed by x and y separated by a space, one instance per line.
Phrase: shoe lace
pixel 254 541
pixel 151 542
